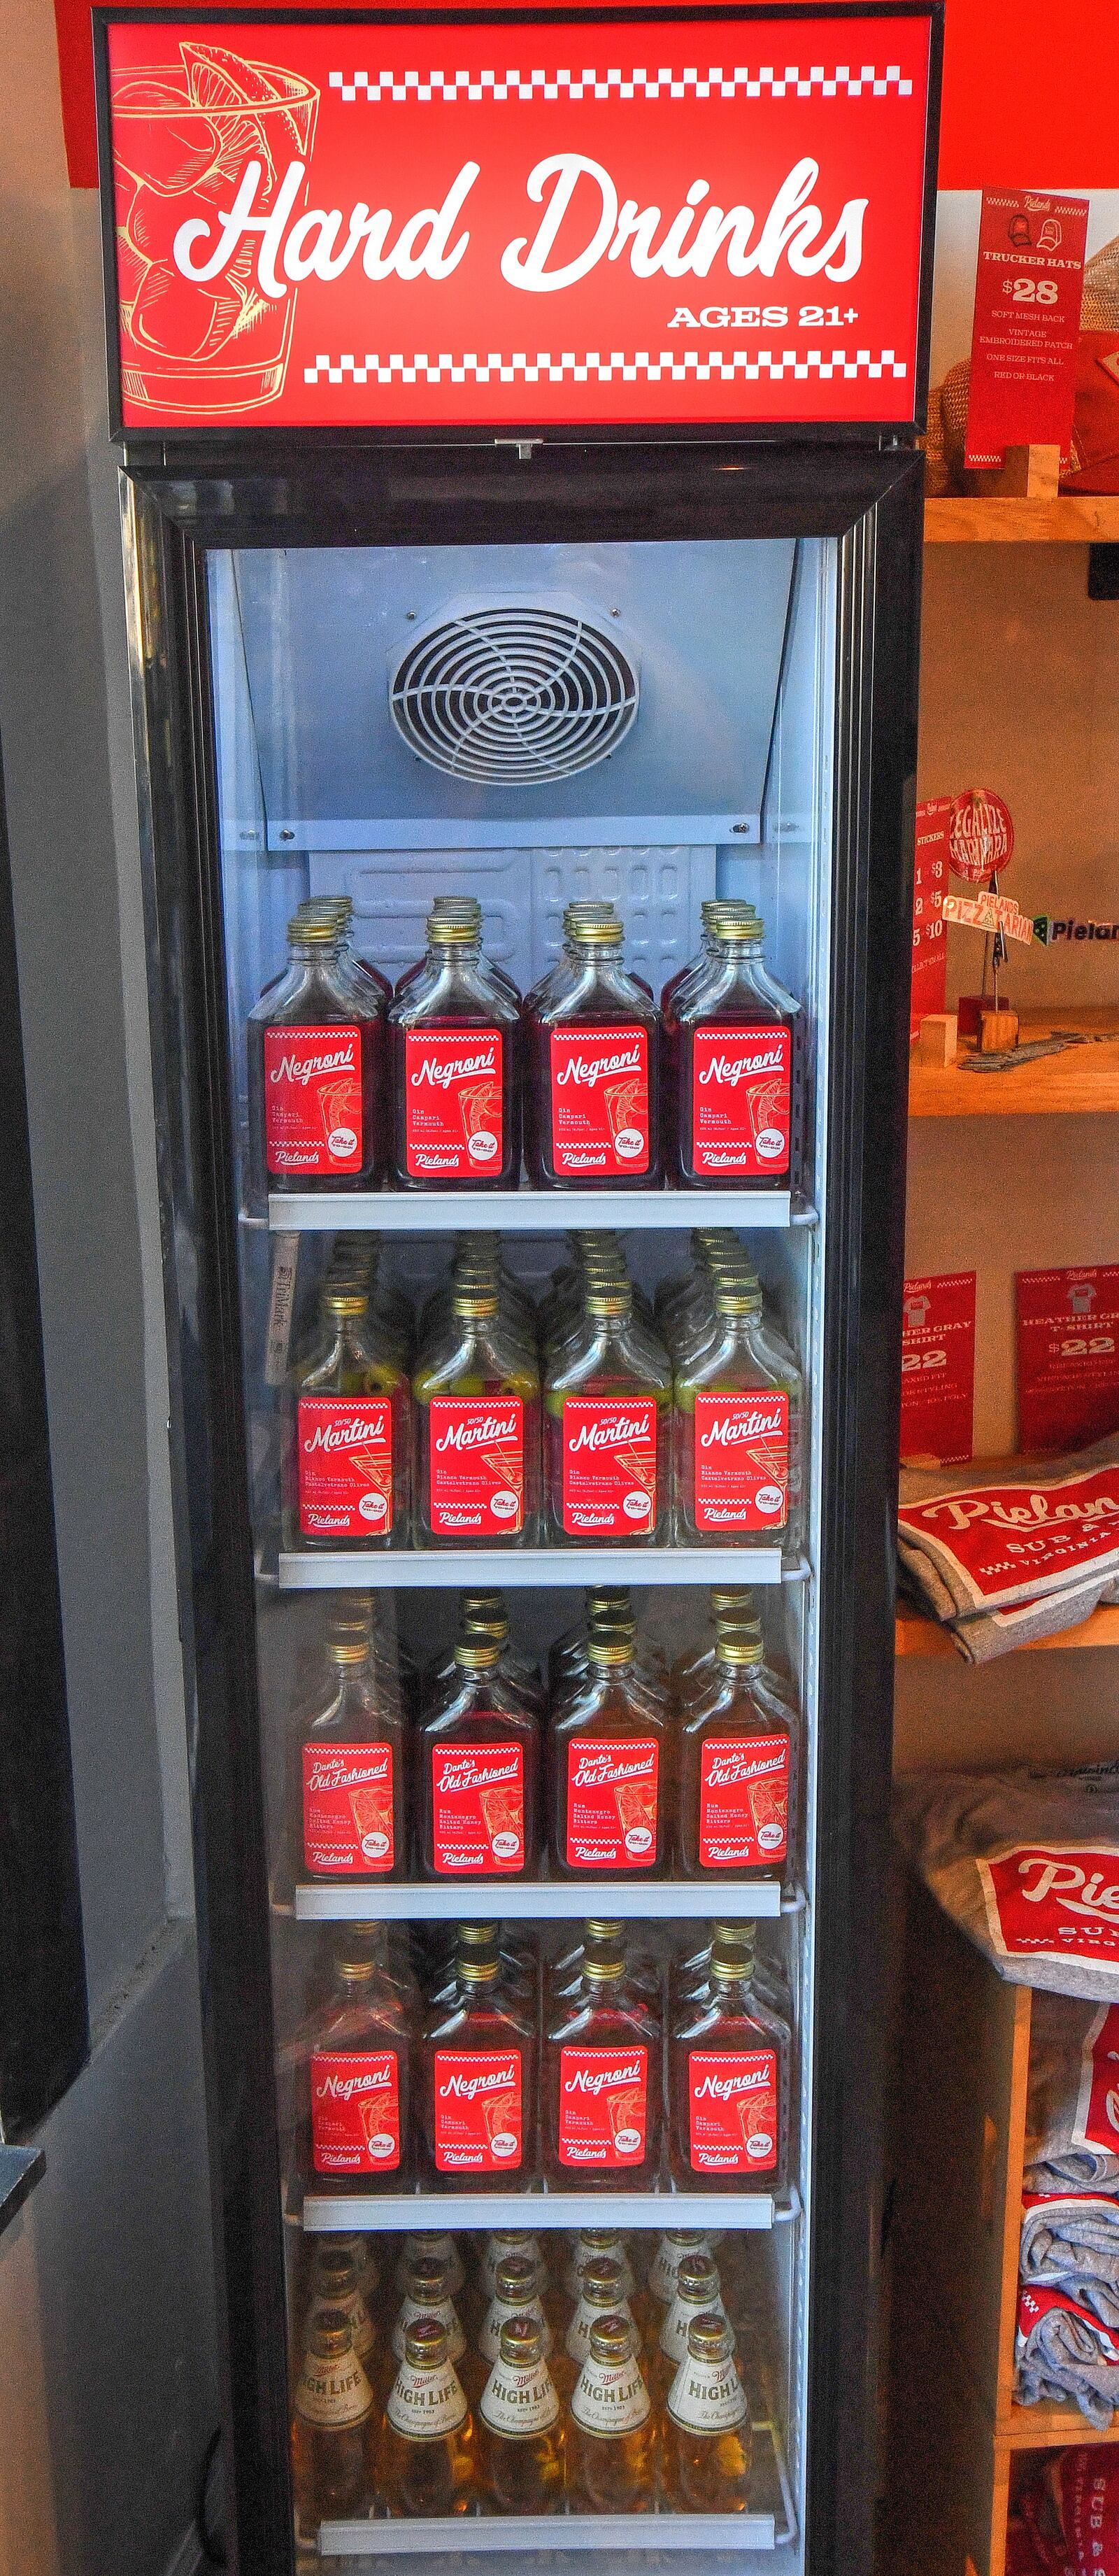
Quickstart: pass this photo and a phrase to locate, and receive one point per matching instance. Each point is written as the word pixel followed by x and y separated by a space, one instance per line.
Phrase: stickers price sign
pixel 1068 1357
pixel 938 1367
pixel 1028 286
pixel 930 884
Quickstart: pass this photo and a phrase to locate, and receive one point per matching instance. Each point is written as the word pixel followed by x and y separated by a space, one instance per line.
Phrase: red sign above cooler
pixel 343 223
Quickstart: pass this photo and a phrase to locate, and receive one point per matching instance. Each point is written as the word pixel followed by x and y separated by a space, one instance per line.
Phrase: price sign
pixel 1028 284
pixel 1068 1357
pixel 930 879
pixel 938 1367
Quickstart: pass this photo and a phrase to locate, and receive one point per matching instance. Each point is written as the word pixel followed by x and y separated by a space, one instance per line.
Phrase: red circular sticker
pixel 980 836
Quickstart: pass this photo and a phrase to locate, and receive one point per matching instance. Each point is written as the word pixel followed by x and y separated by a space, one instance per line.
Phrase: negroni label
pixel 741 1461
pixel 732 2110
pixel 477 1808
pixel 741 1102
pixel 344 1445
pixel 600 1102
pixel 743 1801
pixel 1053 1902
pixel 476 1466
pixel 609 1467
pixel 355 2110
pixel 312 1100
pixel 478 2121
pixel 602 2106
pixel 452 1103
pixel 612 1785
pixel 348 1809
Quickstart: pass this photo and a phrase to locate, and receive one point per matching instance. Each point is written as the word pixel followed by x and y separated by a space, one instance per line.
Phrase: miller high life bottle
pixel 602 2293
pixel 427 2448
pixel 477 1395
pixel 707 2438
pixel 660 2285
pixel 480 1760
pixel 352 1771
pixel 336 2283
pixel 517 2293
pixel 728 2082
pixel 697 2290
pixel 359 2077
pixel 422 2241
pixel 730 1035
pixel 427 2293
pixel 333 2428
pixel 586 2247
pixel 594 1046
pixel 455 1038
pixel 520 2428
pixel 479 2091
pixel 602 2081
pixel 613 2432
pixel 610 1755
pixel 737 1769
pixel 316 1063
pixel 348 1479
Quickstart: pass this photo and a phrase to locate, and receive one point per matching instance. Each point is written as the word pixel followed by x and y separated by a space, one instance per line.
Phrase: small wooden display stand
pixel 954 2426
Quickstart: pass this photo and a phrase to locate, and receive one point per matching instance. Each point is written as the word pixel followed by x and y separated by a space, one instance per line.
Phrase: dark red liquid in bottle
pixel 316 1072
pixel 455 1034
pixel 593 1099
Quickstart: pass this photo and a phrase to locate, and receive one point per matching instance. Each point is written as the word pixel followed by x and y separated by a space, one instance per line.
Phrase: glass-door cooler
pixel 525 753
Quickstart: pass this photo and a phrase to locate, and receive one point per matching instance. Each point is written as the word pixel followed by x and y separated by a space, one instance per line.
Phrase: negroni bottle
pixel 480 1765
pixel 610 1787
pixel 454 1037
pixel 316 1063
pixel 594 1047
pixel 728 2084
pixel 707 2439
pixel 348 1471
pixel 739 1432
pixel 333 2428
pixel 427 2448
pixel 359 2078
pixel 602 2081
pixel 478 1414
pixel 479 2085
pixel 613 2433
pixel 520 2429
pixel 607 1407
pixel 731 1035
pixel 736 1768
pixel 352 1771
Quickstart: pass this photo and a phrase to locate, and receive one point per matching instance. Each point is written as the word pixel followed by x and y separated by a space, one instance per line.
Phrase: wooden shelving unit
pixel 1073 519
pixel 915 1635
pixel 1079 1081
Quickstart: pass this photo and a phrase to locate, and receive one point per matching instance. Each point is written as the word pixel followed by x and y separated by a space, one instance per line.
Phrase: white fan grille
pixel 513 696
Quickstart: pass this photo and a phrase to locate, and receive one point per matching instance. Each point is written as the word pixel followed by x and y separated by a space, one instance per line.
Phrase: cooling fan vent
pixel 513 696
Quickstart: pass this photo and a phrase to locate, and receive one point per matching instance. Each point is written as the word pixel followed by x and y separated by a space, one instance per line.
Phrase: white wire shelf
pixel 344 2212
pixel 528 1211
pixel 419 1569
pixel 552 1900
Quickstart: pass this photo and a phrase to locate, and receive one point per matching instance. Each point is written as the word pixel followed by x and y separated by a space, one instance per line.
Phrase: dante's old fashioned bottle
pixel 480 1757
pixel 521 2433
pixel 737 1768
pixel 594 1040
pixel 333 2428
pixel 316 1044
pixel 454 1034
pixel 610 1747
pixel 352 1769
pixel 730 1034
pixel 427 2447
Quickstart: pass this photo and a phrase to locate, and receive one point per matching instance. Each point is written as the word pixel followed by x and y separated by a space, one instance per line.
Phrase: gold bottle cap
pixel 429 2280
pixel 476 1654
pixel 727 907
pixel 697 2279
pixel 345 1651
pixel 425 2343
pixel 601 2281
pixel 313 930
pixel 486 1623
pixel 737 1300
pixel 521 2343
pixel 737 927
pixel 478 1936
pixel 611 2339
pixel 484 1602
pixel 733 1962
pixel 604 1967
pixel 599 1930
pixel 609 1596
pixel 477 1967
pixel 609 1301
pixel 602 2237
pixel 475 1298
pixel 710 2338
pixel 515 2278
pixel 453 930
pixel 738 1646
pixel 331 2335
pixel 610 1647
pixel 734 1596
pixel 335 2271
pixel 354 1965
pixel 594 934
pixel 345 1301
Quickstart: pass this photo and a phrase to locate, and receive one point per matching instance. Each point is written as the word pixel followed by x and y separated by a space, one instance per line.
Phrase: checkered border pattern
pixel 712 366
pixel 405 87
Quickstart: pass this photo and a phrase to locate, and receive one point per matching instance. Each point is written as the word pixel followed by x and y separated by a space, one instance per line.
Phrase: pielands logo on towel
pixel 1053 1901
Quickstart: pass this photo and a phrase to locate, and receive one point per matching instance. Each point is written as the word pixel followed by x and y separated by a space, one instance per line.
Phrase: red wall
pixel 1031 94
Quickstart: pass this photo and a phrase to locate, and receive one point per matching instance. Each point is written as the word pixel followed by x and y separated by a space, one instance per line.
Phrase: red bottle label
pixel 476 1466
pixel 743 1801
pixel 741 1461
pixel 477 1808
pixel 345 1466
pixel 312 1100
pixel 452 1103
pixel 602 2104
pixel 741 1096
pixel 600 1101
pixel 347 1809
pixel 612 1786
pixel 477 2110
pixel 609 1466
pixel 355 2110
pixel 732 2110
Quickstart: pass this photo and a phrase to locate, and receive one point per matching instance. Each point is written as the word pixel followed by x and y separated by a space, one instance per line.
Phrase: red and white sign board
pixel 930 885
pixel 938 1367
pixel 351 223
pixel 1068 1357
pixel 1028 284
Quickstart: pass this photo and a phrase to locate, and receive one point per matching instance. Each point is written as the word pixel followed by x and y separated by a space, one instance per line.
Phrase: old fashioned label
pixel 333 2394
pixel 743 1801
pixel 1053 1901
pixel 610 2397
pixel 741 1093
pixel 600 1101
pixel 741 1461
pixel 425 2404
pixel 452 1103
pixel 478 2122
pixel 519 2402
pixel 348 1827
pixel 609 1466
pixel 355 2110
pixel 498 2314
pixel 476 1471
pixel 602 2106
pixel 477 1808
pixel 732 2110
pixel 446 2315
pixel 312 1101
pixel 344 1445
pixel 708 2396
pixel 612 1787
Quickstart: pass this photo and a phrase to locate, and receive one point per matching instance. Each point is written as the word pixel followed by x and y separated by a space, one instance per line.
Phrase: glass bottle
pixel 316 1071
pixel 660 2285
pixel 348 1460
pixel 352 1772
pixel 739 1437
pixel 427 2448
pixel 697 2291
pixel 336 2283
pixel 607 1408
pixel 708 2444
pixel 480 1766
pixel 455 1050
pixel 732 1034
pixel 594 1068
pixel 423 2241
pixel 359 2077
pixel 500 2245
pixel 603 2081
pixel 478 1416
pixel 587 2247
pixel 610 1763
pixel 333 2429
pixel 467 909
pixel 521 2438
pixel 613 2433
pixel 603 2293
pixel 479 2089
pixel 598 1937
pixel 339 908
pixel 484 1614
pixel 728 2083
pixel 426 2293
pixel 737 1769
pixel 517 2292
